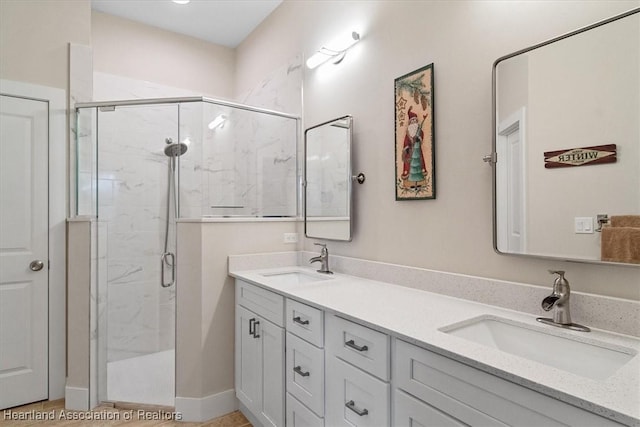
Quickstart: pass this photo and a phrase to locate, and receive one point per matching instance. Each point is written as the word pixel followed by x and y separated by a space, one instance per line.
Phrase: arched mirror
pixel 327 190
pixel 566 146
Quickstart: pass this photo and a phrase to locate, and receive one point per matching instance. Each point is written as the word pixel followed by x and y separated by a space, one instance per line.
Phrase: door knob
pixel 36 265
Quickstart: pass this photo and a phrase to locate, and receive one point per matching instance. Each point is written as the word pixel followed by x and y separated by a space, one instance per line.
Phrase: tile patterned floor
pixel 52 413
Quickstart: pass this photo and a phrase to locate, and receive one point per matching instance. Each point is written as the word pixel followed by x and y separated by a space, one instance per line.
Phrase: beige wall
pixel 78 299
pixel 34 38
pixel 268 48
pixel 139 51
pixel 462 38
pixel 206 300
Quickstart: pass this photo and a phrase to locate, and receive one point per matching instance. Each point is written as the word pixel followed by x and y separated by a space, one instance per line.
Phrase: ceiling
pixel 223 22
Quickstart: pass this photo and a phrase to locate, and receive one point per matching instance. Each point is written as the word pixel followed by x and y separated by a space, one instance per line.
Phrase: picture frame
pixel 415 135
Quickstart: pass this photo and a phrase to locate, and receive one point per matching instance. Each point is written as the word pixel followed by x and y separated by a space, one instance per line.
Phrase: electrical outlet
pixel 290 238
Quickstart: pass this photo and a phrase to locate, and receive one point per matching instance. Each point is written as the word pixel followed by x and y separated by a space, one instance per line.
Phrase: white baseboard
pixel 195 409
pixel 76 398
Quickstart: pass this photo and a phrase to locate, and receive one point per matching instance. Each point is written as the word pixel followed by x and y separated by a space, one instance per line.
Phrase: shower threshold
pixel 148 379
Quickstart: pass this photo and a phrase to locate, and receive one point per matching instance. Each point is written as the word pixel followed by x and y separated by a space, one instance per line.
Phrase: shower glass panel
pixel 140 165
pixel 244 163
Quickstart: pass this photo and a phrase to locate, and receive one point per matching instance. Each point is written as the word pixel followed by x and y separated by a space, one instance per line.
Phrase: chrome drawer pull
pixel 299 320
pixel 298 370
pixel 352 405
pixel 354 346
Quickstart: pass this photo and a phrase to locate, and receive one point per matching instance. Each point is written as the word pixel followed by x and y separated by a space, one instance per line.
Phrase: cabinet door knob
pixel 298 370
pixel 354 346
pixel 352 405
pixel 297 319
pixel 255 329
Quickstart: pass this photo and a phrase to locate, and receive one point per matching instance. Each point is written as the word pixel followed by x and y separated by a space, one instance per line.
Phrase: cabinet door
pixel 272 384
pixel 305 373
pixel 353 397
pixel 248 372
pixel 299 415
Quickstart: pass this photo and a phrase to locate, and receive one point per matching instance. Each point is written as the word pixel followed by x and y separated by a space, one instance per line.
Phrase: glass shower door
pixel 136 313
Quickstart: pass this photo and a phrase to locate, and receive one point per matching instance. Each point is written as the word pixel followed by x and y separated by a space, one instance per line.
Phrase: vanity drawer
pixel 363 347
pixel 261 301
pixel 355 398
pixel 305 373
pixel 478 398
pixel 409 411
pixel 305 321
pixel 299 415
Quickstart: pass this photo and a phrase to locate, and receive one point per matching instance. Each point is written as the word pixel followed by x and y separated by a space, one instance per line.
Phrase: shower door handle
pixel 164 260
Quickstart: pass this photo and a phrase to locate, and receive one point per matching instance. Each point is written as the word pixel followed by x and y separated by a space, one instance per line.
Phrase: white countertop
pixel 417 316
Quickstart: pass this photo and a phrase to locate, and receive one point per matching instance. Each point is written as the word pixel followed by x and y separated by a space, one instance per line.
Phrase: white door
pixel 23 251
pixel 510 184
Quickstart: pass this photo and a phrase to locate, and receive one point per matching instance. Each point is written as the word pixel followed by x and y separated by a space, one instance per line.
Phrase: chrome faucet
pixel 323 258
pixel 559 300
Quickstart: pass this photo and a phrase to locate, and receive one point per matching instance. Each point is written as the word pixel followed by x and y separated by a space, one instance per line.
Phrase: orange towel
pixel 620 244
pixel 625 221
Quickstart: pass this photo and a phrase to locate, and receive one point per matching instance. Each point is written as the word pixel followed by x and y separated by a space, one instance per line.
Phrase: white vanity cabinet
pixel 259 353
pixel 433 390
pixel 337 372
pixel 357 381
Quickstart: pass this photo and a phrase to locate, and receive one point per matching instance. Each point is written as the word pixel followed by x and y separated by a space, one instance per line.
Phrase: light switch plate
pixel 583 225
pixel 290 238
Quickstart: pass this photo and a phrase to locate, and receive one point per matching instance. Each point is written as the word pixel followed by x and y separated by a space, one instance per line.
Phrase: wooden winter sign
pixel 414 142
pixel 595 155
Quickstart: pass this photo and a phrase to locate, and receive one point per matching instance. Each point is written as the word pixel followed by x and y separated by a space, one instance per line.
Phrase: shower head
pixel 174 149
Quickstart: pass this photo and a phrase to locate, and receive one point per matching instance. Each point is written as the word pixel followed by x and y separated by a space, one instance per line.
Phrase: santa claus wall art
pixel 415 159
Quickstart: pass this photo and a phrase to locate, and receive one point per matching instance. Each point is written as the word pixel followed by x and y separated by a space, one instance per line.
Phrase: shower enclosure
pixel 140 166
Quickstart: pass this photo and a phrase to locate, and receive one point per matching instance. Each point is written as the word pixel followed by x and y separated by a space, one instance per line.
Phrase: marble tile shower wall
pixel 250 166
pixel 132 194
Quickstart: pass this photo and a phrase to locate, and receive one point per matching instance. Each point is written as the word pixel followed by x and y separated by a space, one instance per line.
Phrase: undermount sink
pixel 587 358
pixel 294 277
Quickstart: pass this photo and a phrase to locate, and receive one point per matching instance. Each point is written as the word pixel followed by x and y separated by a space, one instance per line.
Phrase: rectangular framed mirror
pixel 566 147
pixel 327 182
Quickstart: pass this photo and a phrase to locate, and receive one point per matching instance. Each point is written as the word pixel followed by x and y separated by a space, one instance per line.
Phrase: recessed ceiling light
pixel 181 1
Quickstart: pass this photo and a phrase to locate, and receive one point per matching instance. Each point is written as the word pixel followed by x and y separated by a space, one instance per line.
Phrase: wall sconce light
pixel 334 51
pixel 218 122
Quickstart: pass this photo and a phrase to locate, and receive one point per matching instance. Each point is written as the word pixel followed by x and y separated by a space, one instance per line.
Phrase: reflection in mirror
pixel 328 180
pixel 565 103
